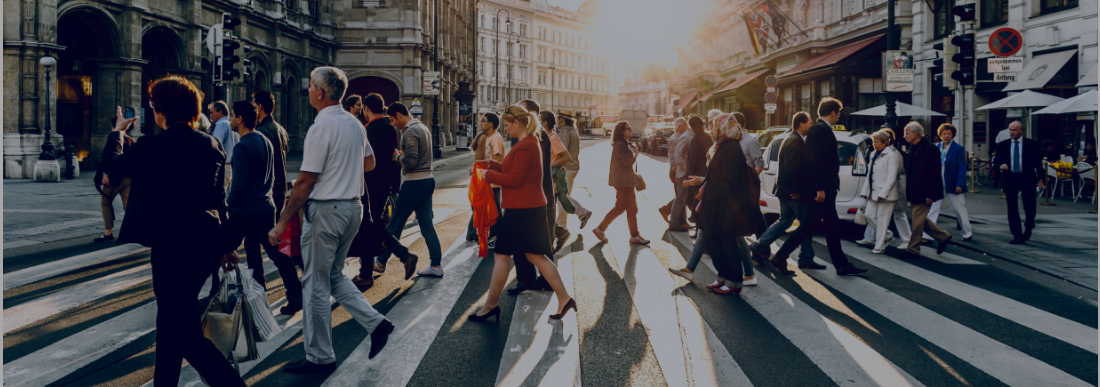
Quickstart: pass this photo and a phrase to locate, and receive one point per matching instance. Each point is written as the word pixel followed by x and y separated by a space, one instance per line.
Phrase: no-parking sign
pixel 1006 42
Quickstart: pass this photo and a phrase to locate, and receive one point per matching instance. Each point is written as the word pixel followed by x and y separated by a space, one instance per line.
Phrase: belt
pixel 305 207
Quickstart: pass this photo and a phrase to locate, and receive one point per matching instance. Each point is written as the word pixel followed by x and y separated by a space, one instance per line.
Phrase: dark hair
pixel 547 118
pixel 799 119
pixel 743 121
pixel 177 99
pixel 397 108
pixel 617 134
pixel 695 122
pixel 568 121
pixel 350 101
pixel 247 112
pixel 828 106
pixel 374 103
pixel 220 107
pixel 494 119
pixel 265 100
pixel 531 105
pixel 943 127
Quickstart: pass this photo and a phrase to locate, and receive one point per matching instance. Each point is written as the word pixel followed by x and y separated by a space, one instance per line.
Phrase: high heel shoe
pixel 494 312
pixel 564 311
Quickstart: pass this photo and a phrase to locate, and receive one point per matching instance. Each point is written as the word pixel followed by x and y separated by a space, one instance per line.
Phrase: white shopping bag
pixel 260 310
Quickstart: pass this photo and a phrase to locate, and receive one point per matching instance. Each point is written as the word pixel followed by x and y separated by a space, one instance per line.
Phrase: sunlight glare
pixel 639 32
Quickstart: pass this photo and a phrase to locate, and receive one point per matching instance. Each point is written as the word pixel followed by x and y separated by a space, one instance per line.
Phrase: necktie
pixel 1016 156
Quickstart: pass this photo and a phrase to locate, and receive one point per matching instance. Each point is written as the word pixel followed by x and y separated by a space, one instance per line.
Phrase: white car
pixel 851 148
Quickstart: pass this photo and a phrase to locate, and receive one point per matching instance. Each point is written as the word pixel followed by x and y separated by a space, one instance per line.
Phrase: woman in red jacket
pixel 523 228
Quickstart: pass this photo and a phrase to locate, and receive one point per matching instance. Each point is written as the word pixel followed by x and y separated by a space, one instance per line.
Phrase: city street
pixel 982 314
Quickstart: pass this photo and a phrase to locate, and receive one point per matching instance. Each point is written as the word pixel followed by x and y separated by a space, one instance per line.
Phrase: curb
pixel 451 160
pixel 988 254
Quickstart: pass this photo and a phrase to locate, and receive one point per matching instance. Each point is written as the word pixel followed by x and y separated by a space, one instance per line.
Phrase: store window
pixel 806 101
pixel 943 20
pixel 826 90
pixel 870 93
pixel 1049 6
pixel 994 13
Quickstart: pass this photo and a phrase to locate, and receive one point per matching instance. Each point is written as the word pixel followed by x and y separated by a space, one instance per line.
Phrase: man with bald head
pixel 1020 161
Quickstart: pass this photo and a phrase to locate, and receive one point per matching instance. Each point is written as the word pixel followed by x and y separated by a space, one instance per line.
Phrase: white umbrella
pixel 903 110
pixel 1026 99
pixel 1080 104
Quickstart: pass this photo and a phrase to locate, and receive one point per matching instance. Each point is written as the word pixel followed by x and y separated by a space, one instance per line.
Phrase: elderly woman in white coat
pixel 881 187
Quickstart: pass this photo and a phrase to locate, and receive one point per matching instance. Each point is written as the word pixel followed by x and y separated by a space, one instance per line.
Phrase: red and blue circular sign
pixel 771 81
pixel 770 97
pixel 1006 42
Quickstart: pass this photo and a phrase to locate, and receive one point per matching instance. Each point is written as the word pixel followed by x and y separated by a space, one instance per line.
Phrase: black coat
pixel 697 154
pixel 924 179
pixel 177 191
pixel 111 149
pixel 793 168
pixel 824 170
pixel 1031 167
pixel 726 209
pixel 387 173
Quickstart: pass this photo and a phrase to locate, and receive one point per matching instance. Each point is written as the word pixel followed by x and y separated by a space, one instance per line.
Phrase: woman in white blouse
pixel 881 187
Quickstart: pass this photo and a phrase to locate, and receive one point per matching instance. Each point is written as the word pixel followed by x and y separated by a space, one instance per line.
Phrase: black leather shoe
pixel 850 270
pixel 521 286
pixel 812 266
pixel 1017 241
pixel 306 367
pixel 758 256
pixel 943 246
pixel 909 255
pixel 291 308
pixel 104 238
pixel 967 239
pixel 379 337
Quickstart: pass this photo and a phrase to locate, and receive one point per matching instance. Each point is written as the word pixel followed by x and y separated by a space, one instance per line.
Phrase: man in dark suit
pixel 822 172
pixel 177 207
pixel 1019 159
pixel 380 185
pixel 792 195
pixel 923 186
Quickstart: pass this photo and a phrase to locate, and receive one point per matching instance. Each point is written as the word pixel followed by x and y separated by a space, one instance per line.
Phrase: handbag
pixel 227 322
pixel 291 240
pixel 639 184
pixel 860 218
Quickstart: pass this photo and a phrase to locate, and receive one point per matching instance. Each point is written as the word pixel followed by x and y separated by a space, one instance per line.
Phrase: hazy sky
pixel 567 4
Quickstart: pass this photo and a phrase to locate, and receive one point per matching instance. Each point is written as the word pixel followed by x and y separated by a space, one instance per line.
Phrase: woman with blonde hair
pixel 622 177
pixel 523 229
pixel 881 187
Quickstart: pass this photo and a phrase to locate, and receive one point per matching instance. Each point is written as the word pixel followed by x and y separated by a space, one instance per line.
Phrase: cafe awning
pixel 1038 72
pixel 687 99
pixel 741 81
pixel 714 90
pixel 832 57
pixel 1089 79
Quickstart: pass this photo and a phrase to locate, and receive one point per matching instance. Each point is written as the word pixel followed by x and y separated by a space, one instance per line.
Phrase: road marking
pixel 952 259
pixel 1050 324
pixel 37 273
pixel 42 307
pixel 55 227
pixel 540 352
pixel 999 360
pixel 822 340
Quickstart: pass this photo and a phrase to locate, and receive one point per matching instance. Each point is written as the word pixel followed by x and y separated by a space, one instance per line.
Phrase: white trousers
pixel 326 238
pixel 900 219
pixel 878 217
pixel 958 202
pixel 580 210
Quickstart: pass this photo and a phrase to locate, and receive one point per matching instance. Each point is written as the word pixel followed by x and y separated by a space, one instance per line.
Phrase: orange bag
pixel 290 242
pixel 485 209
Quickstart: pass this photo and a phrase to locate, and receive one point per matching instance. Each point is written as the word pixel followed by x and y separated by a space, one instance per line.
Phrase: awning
pixel 714 90
pixel 1040 70
pixel 1089 79
pixel 741 81
pixel 687 99
pixel 833 56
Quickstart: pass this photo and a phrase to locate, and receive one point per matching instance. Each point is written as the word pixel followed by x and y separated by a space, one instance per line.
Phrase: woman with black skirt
pixel 523 229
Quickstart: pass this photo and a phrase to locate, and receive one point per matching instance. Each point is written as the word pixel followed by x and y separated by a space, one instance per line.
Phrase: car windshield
pixel 847 152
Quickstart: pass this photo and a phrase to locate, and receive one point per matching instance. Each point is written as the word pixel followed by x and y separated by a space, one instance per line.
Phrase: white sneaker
pixel 865 242
pixel 584 219
pixel 904 244
pixel 431 272
pixel 749 282
pixel 682 273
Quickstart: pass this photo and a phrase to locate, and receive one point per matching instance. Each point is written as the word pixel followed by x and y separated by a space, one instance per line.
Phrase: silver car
pixel 851 148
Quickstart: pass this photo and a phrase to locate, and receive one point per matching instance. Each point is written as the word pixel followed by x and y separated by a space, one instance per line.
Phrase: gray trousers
pixel 327 233
pixel 680 203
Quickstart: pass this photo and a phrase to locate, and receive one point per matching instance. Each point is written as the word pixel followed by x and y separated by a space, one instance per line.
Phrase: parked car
pixel 655 139
pixel 608 128
pixel 765 136
pixel 851 148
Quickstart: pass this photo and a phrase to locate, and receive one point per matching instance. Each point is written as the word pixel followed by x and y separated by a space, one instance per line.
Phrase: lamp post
pixel 552 68
pixel 47 168
pixel 496 51
pixel 510 33
pixel 437 152
pixel 891 44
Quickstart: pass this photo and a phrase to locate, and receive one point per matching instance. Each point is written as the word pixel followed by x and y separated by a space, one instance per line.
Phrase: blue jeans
pixel 415 196
pixel 701 246
pixel 789 210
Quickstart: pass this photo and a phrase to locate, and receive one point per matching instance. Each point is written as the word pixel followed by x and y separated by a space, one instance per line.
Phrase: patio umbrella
pixel 1026 99
pixel 1083 103
pixel 903 110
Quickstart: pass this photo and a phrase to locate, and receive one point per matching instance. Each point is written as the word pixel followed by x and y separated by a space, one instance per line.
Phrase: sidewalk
pixel 48 216
pixel 1063 244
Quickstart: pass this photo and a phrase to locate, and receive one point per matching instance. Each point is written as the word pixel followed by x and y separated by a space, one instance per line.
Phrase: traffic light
pixel 229 22
pixel 965 12
pixel 230 59
pixel 947 62
pixel 965 58
pixel 246 65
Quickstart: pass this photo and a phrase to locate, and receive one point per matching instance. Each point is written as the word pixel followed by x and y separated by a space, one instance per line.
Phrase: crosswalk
pixel 89 320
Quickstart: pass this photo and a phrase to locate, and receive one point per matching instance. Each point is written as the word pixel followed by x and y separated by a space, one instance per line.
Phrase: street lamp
pixel 47 148
pixel 510 63
pixel 891 44
pixel 552 68
pixel 437 152
pixel 496 51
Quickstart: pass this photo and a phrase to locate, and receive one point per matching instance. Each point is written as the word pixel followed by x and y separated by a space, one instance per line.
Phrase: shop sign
pixel 1006 65
pixel 898 71
pixel 769 107
pixel 416 109
pixel 431 83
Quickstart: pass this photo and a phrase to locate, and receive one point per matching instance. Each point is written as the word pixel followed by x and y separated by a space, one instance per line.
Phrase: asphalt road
pixel 958 319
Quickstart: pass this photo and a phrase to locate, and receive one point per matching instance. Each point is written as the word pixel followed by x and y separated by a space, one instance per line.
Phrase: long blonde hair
pixel 520 113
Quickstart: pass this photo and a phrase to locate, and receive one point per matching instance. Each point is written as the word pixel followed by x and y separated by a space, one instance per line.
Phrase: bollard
pixel 1046 164
pixel 973 175
pixel 1095 190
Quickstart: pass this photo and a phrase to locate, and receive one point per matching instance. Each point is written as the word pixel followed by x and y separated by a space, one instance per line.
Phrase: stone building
pixel 107 51
pixel 504 44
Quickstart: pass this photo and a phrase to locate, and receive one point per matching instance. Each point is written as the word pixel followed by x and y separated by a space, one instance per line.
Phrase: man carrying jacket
pixel 924 186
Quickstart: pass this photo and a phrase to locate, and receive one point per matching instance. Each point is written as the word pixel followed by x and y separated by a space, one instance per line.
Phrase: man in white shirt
pixel 335 157
pixel 678 152
pixel 219 112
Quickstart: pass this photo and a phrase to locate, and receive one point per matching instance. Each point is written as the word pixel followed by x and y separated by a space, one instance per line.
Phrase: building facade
pixel 504 45
pixel 108 51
